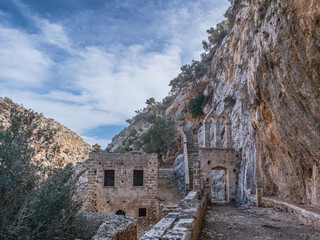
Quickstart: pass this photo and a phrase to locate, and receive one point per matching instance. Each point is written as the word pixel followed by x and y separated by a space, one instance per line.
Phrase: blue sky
pixel 90 63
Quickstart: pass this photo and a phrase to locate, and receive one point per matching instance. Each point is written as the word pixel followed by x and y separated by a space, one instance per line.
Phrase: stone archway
pixel 218 187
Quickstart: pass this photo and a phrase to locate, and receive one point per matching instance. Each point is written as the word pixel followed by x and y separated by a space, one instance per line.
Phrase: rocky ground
pixel 232 221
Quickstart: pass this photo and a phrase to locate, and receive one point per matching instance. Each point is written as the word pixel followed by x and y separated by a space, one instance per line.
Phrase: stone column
pixel 206 140
pixel 217 133
pixel 228 136
pixel 259 195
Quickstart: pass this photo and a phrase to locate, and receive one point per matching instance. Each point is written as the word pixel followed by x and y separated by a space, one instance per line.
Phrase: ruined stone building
pixel 124 184
pixel 213 167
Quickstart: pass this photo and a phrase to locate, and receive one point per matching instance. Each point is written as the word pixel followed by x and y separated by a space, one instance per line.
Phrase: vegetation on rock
pixel 36 202
pixel 196 105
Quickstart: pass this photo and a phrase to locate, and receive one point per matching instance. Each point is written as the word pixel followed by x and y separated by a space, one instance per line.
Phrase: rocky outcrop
pixel 54 144
pixel 270 63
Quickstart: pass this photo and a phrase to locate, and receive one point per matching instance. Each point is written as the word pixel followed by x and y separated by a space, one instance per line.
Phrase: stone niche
pixel 124 184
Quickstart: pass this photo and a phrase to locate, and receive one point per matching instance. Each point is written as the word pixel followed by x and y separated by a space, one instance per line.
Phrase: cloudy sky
pixel 90 63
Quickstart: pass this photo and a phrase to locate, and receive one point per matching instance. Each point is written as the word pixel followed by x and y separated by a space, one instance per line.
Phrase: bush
pixel 189 74
pixel 196 105
pixel 232 12
pixel 229 101
pixel 35 202
pixel 216 36
pixel 133 132
pixel 158 138
pixel 96 148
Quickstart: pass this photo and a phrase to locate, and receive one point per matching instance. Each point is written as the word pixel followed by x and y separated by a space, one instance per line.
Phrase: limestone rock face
pixel 270 61
pixel 54 144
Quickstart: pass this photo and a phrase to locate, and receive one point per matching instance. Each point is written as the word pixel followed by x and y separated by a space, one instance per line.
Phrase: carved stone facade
pixel 216 167
pixel 125 184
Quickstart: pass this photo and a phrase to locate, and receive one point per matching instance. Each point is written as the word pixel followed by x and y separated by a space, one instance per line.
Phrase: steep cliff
pixel 54 144
pixel 265 74
pixel 271 62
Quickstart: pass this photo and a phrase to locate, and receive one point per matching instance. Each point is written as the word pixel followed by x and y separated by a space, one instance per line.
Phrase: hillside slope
pixel 54 144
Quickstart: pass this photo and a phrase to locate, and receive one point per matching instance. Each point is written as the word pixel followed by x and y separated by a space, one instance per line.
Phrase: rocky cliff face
pixel 266 76
pixel 270 61
pixel 54 144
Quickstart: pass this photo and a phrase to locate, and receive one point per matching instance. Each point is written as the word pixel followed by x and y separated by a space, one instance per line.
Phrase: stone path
pixel 231 221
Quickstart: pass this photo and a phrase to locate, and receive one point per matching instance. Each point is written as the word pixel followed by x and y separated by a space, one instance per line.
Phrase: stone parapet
pixel 183 223
pixel 307 214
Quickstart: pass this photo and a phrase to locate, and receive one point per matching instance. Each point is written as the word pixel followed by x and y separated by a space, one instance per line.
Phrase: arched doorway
pixel 218 184
pixel 120 212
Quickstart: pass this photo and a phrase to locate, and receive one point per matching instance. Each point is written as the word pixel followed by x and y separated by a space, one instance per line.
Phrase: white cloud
pixel 122 83
pixel 101 85
pixel 21 63
pixel 53 34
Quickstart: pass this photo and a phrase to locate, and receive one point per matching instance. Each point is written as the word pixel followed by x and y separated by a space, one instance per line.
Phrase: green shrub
pixel 196 105
pixel 133 132
pixel 159 137
pixel 96 148
pixel 230 101
pixel 232 12
pixel 189 74
pixel 35 202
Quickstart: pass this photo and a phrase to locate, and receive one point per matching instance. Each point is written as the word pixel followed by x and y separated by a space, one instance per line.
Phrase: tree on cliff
pixel 158 138
pixel 190 73
pixel 35 202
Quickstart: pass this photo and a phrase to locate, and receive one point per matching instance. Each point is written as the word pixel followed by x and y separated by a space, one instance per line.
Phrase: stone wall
pixel 218 158
pixel 179 173
pixel 123 195
pixel 306 214
pixel 166 173
pixel 183 223
pixel 116 227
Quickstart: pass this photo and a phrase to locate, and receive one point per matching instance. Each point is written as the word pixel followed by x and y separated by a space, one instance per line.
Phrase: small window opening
pixel 120 212
pixel 109 178
pixel 137 177
pixel 142 212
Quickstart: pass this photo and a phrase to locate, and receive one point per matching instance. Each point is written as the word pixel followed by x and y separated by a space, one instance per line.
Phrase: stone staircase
pixel 192 147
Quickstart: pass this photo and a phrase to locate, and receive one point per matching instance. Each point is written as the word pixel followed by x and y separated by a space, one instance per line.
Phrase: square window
pixel 109 178
pixel 142 212
pixel 137 177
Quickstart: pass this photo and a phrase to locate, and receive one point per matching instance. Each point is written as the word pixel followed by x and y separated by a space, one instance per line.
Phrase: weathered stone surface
pixel 183 223
pixel 179 172
pixel 116 227
pixel 123 195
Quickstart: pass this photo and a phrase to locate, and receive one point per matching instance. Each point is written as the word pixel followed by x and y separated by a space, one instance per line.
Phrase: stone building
pixel 213 167
pixel 125 184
